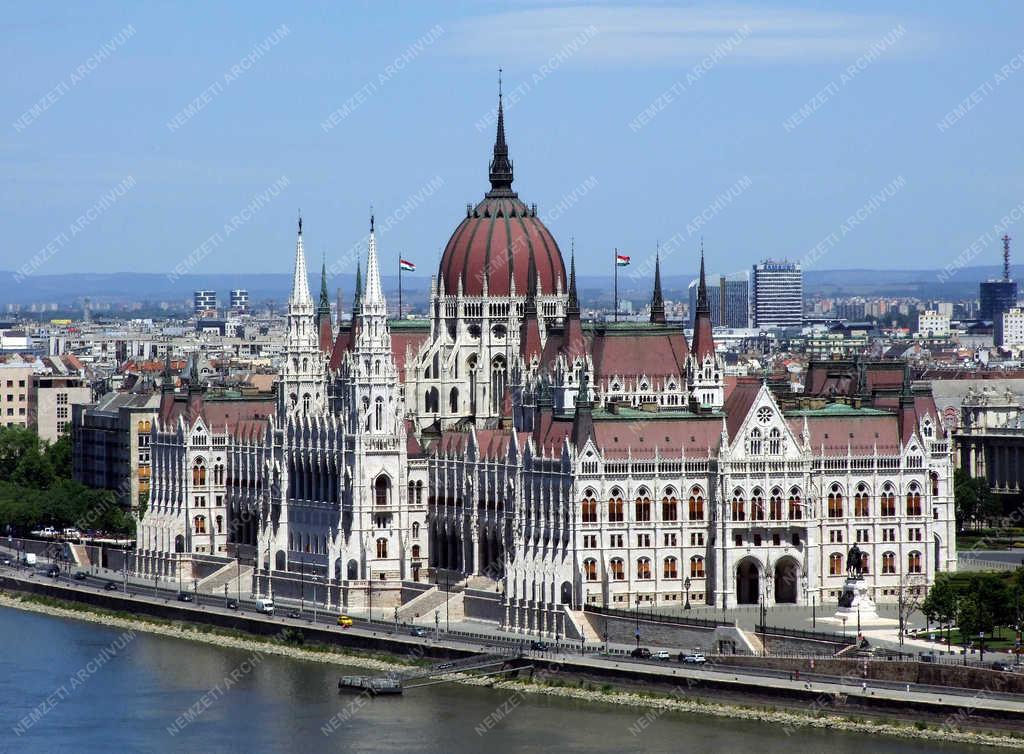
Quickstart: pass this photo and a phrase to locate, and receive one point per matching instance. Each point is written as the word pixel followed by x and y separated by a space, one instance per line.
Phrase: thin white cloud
pixel 652 34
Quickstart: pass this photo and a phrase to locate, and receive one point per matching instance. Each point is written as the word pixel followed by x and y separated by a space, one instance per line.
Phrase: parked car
pixel 417 631
pixel 81 575
pixel 1003 666
pixel 344 621
pixel 294 614
pixel 662 654
pixel 692 658
pixel 72 533
pixel 5 561
pixel 232 604
pixel 265 605
pixel 641 652
pixel 53 571
pixel 111 586
pixel 185 597
pixel 540 646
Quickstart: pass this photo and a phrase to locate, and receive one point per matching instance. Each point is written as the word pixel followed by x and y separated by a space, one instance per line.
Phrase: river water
pixel 71 686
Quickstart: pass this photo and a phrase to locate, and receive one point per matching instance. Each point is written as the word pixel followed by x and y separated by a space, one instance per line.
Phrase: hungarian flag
pixel 406 265
pixel 621 260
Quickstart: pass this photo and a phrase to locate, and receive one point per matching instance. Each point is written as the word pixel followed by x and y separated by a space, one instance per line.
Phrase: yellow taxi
pixel 344 621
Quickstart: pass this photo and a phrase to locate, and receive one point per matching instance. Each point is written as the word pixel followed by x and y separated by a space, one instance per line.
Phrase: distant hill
pixel 119 287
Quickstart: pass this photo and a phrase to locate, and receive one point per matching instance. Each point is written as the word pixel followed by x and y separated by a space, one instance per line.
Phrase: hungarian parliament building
pixel 506 443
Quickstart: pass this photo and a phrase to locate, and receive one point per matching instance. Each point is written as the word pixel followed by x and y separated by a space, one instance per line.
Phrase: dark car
pixel 81 575
pixel 642 652
pixel 185 597
pixel 5 561
pixel 294 614
pixel 540 646
pixel 232 604
pixel 111 586
pixel 418 632
pixel 53 572
pixel 1004 667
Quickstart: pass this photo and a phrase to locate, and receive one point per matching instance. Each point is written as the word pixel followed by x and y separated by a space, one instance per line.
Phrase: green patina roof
pixel 634 414
pixel 838 409
pixel 409 324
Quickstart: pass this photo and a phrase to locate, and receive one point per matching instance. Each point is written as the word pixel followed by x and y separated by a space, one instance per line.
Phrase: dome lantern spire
pixel 501 166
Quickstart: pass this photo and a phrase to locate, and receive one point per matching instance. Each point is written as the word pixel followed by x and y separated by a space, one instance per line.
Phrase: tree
pixel 965 497
pixel 989 507
pixel 969 617
pixel 59 455
pixel 994 598
pixel 34 470
pixel 941 603
pixel 15 442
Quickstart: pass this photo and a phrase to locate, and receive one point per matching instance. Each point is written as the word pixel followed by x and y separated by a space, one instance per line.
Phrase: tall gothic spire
pixel 501 165
pixel 300 281
pixel 657 301
pixel 703 343
pixel 374 290
pixel 573 305
pixel 702 289
pixel 324 310
pixel 357 295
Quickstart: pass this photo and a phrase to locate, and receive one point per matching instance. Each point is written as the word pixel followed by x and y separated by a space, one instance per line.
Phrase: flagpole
pixel 615 262
pixel 399 285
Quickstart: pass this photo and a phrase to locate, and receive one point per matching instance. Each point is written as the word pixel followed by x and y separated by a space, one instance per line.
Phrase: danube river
pixel 72 686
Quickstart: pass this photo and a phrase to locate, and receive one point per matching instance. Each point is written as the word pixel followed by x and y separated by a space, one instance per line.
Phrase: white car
pixel 695 658
pixel 662 655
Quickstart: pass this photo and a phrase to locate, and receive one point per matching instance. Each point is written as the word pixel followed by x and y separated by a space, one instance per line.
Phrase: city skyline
pixel 156 138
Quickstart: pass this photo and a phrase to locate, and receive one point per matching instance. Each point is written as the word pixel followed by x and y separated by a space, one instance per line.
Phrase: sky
pixel 185 137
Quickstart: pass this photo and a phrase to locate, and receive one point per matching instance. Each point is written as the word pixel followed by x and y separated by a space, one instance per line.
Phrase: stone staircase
pixel 423 605
pixel 80 554
pixel 232 576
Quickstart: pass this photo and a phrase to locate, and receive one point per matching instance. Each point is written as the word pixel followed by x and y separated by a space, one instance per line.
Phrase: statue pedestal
pixel 856 604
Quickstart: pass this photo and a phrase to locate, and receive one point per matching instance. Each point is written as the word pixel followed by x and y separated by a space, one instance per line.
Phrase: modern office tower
pixel 998 296
pixel 204 302
pixel 240 301
pixel 778 291
pixel 734 297
pixel 1012 329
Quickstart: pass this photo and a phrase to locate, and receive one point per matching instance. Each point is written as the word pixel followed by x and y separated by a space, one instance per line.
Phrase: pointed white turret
pixel 300 280
pixel 302 387
pixel 373 295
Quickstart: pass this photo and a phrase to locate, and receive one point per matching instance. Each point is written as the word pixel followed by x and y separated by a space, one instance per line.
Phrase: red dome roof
pixel 495 242
pixel 499 238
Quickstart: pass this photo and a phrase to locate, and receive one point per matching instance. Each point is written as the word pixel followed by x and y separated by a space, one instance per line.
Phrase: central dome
pixel 499 238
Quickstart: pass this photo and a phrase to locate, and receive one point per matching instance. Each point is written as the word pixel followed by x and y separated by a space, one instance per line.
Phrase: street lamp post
pixel 843 619
pixel 156 576
pixel 225 596
pixel 396 619
pixel 437 625
pixel 686 586
pixel 302 584
pixel 315 579
pixel 637 632
pixel 981 641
